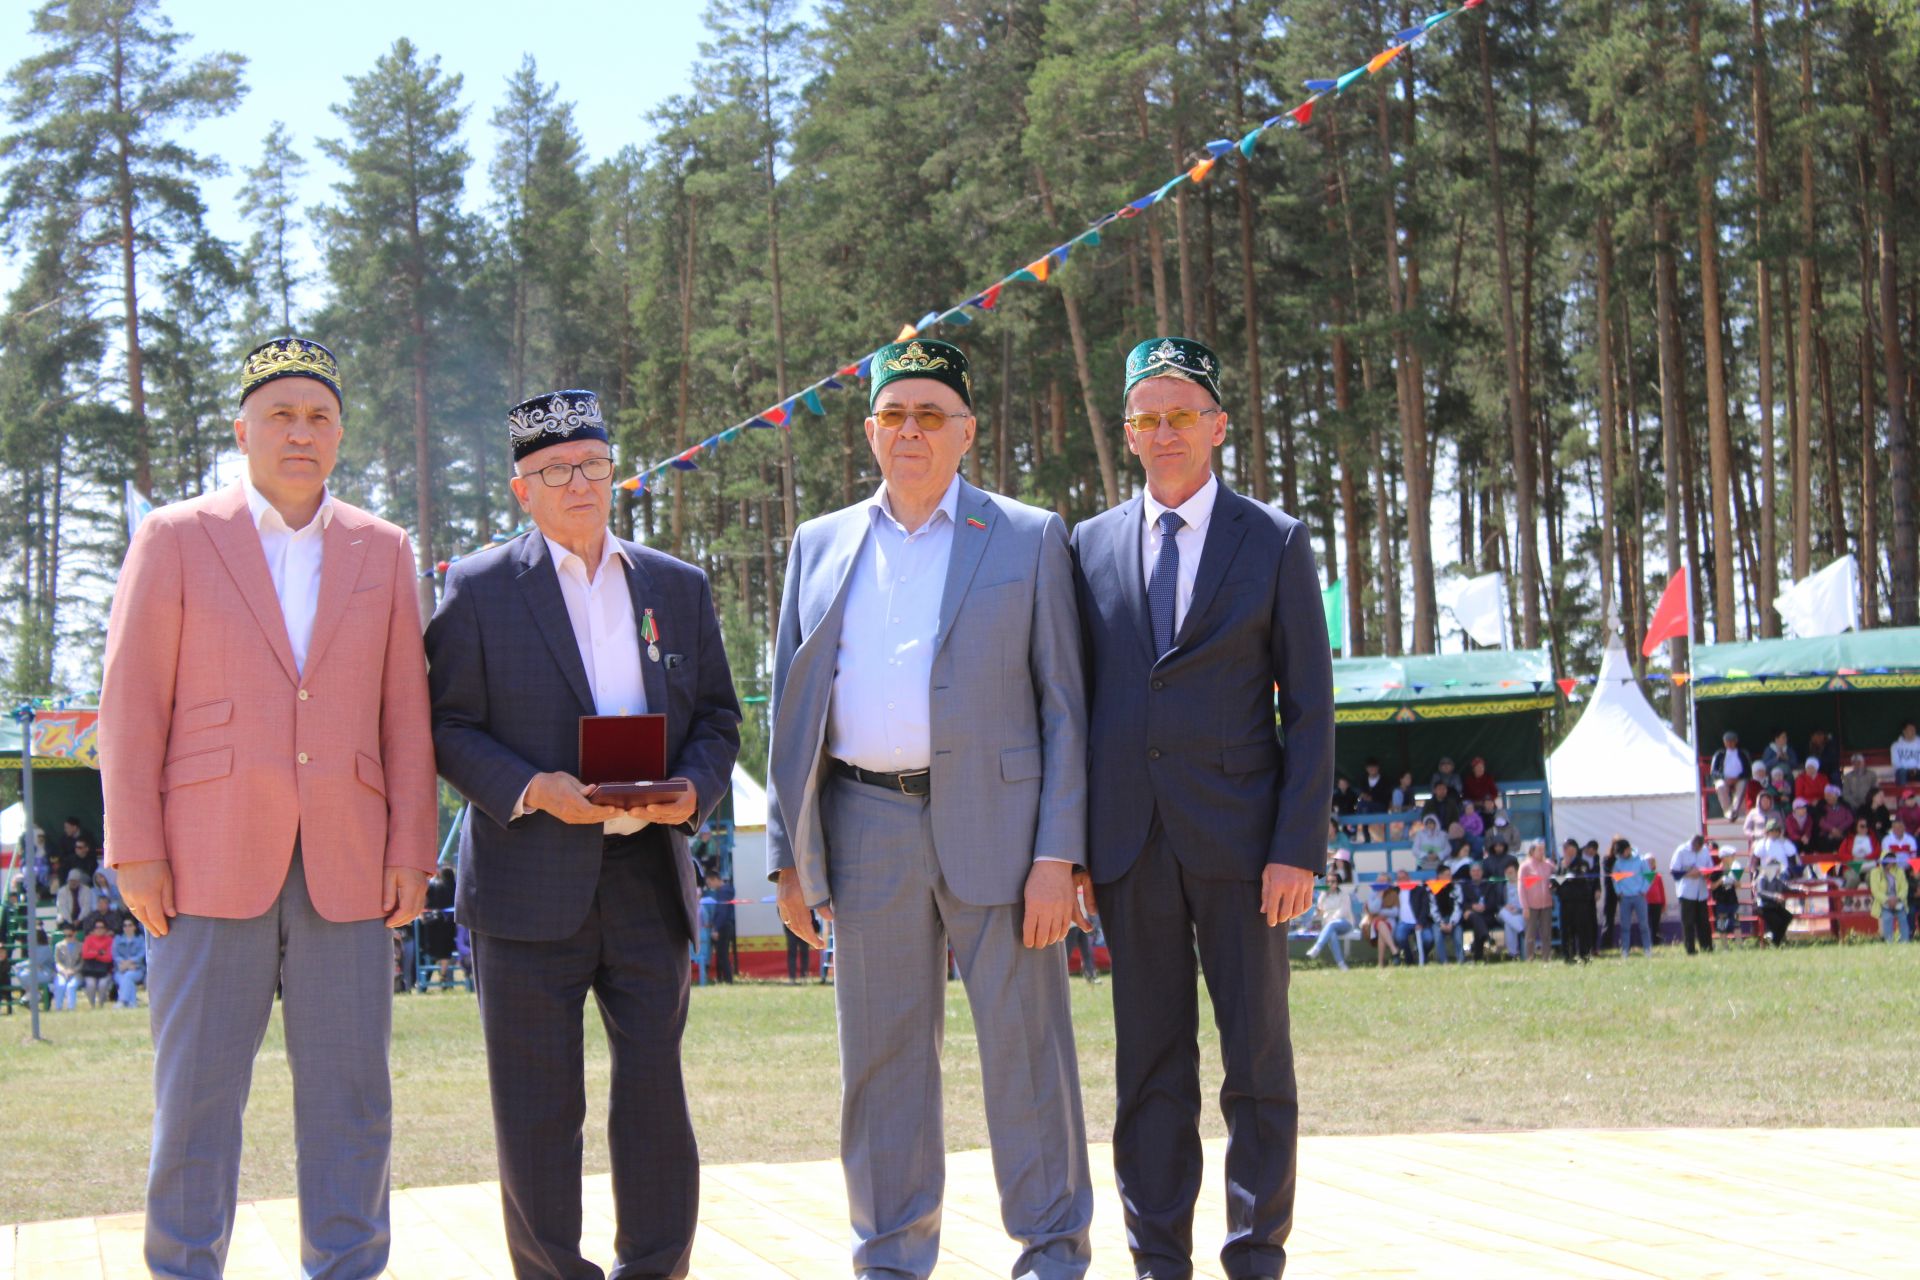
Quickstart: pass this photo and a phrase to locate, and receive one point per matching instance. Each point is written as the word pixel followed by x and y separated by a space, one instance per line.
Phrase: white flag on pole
pixel 138 509
pixel 1479 606
pixel 1823 603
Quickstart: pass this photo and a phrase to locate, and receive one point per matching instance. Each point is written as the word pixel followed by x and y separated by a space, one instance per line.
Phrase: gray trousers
pixel 211 985
pixel 894 918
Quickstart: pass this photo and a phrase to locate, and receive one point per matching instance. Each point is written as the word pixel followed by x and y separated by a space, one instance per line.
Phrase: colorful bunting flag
pixel 1385 56
pixel 906 333
pixel 1200 171
pixel 987 300
pixel 1303 113
pixel 1247 143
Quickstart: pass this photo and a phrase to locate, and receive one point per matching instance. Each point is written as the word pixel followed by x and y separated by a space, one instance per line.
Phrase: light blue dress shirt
pixel 880 714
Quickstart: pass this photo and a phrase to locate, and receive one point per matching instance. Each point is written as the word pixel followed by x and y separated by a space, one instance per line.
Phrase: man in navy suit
pixel 1205 826
pixel 564 895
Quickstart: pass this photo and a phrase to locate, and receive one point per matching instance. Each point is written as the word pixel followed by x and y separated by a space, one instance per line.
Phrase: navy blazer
pixel 1192 735
pixel 509 689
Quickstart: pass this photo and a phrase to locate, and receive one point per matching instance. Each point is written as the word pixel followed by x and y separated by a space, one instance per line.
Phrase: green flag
pixel 1334 600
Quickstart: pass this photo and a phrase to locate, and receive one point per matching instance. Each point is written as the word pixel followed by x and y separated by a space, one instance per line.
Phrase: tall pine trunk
pixel 1904 557
pixel 1672 434
pixel 1769 553
pixel 1802 450
pixel 1519 402
pixel 1719 432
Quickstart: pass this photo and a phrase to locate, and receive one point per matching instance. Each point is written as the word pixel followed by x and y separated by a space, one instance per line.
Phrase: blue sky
pixel 614 61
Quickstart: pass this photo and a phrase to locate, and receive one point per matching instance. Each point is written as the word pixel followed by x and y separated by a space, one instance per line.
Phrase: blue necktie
pixel 1163 587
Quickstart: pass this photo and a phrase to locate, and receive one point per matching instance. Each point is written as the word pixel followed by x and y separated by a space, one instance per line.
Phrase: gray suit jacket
pixel 1008 710
pixel 1192 734
pixel 508 693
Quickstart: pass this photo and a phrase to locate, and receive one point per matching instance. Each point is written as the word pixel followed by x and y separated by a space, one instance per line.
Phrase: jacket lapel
pixel 969 548
pixel 539 580
pixel 343 551
pixel 1224 532
pixel 1133 574
pixel 640 586
pixel 229 525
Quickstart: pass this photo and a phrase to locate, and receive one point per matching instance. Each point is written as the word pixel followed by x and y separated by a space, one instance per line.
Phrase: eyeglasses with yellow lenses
pixel 928 420
pixel 1181 420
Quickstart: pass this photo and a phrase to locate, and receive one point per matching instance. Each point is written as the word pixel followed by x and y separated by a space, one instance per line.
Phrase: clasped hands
pixel 565 797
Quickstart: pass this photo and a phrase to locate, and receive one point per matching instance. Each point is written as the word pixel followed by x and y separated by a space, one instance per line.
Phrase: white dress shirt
pixel 293 561
pixel 600 611
pixel 1189 538
pixel 880 713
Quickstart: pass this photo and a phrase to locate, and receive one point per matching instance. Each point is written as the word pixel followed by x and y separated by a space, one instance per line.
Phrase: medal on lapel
pixel 650 632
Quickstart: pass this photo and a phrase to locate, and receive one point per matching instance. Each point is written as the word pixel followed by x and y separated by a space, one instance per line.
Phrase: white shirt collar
pixel 609 548
pixel 1196 511
pixel 949 505
pixel 263 511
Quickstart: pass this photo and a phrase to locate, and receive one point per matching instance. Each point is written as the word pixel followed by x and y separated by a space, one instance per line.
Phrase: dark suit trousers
pixel 1154 914
pixel 631 953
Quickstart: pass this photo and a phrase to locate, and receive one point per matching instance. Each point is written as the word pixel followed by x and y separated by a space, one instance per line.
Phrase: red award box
pixel 623 760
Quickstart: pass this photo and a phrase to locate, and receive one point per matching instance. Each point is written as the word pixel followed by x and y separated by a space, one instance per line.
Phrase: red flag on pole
pixel 1671 618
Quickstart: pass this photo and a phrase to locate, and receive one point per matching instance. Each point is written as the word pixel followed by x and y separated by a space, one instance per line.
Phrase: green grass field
pixel 1742 1038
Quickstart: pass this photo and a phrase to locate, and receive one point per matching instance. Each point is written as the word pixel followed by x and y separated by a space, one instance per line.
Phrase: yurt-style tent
pixel 1623 771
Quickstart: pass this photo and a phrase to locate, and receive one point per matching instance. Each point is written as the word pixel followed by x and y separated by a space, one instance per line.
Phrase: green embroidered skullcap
pixel 921 358
pixel 1183 356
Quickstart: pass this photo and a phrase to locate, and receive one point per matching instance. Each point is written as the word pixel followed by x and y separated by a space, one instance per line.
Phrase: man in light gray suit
pixel 927 788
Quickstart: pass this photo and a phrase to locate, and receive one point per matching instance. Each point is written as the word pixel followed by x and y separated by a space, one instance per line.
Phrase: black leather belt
pixel 918 782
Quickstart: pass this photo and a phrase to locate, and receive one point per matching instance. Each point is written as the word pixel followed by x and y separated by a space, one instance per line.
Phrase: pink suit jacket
pixel 215 750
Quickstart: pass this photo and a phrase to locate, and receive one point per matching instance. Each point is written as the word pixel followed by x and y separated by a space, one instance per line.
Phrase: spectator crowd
pixel 1477 892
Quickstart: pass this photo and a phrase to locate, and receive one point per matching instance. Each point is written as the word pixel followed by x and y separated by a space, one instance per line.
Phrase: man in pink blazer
pixel 271 811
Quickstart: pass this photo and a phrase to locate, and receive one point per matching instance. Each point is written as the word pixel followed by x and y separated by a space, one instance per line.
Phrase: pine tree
pixel 97 114
pixel 396 251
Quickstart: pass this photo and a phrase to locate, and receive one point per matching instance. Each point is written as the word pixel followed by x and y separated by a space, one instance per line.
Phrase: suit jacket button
pixel 302 757
pixel 1157 684
pixel 303 695
pixel 1153 753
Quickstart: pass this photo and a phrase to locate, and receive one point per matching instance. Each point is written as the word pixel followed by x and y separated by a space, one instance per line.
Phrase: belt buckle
pixel 901 780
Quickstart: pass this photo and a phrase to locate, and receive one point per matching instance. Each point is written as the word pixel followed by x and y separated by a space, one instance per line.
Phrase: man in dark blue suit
pixel 565 896
pixel 1205 826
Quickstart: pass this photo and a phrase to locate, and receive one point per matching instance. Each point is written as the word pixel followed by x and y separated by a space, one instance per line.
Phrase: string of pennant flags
pixel 782 416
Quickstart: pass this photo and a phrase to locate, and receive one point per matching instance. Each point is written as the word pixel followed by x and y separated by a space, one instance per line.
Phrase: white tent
pixel 13 825
pixel 1623 771
pixel 756 919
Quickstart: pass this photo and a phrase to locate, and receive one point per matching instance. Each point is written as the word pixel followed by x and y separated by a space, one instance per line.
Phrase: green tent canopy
pixel 1859 686
pixel 1409 711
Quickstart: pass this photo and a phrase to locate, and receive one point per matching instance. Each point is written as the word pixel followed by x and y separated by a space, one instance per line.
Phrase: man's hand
pixel 1084 905
pixel 565 797
pixel 670 813
pixel 1285 892
pixel 404 894
pixel 794 912
pixel 147 889
pixel 1049 905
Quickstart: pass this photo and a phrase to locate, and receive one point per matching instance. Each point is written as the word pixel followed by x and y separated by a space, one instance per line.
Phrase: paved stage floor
pixel 1577 1203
